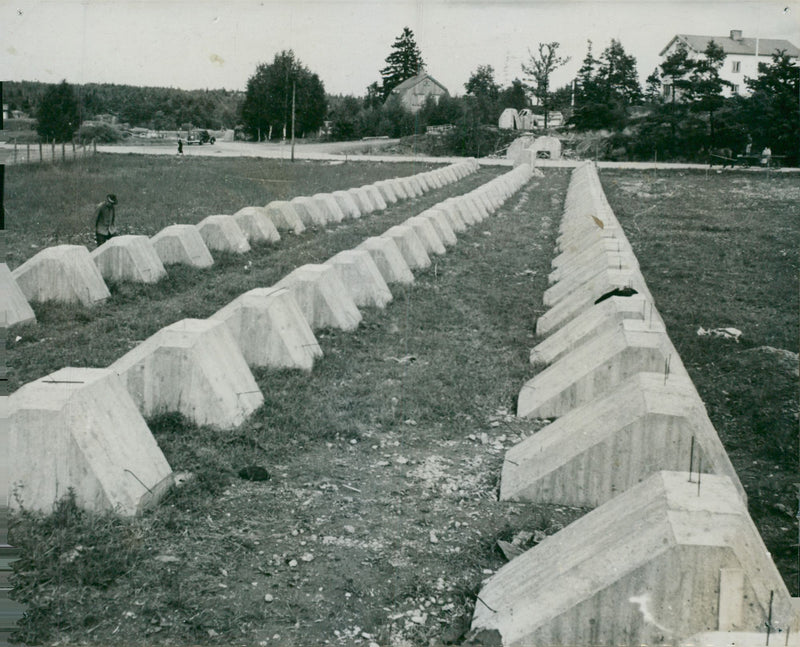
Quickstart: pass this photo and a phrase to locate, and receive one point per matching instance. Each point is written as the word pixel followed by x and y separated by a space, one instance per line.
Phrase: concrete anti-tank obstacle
pixel 182 244
pixel 222 234
pixel 609 260
pixel 62 273
pixel 399 188
pixel 284 216
pixel 322 296
pixel 361 277
pixel 740 638
pixel 256 225
pixel 600 449
pixel 333 212
pixel 441 223
pixel 309 211
pixel 389 259
pixel 347 204
pixel 411 247
pixel 79 429
pixel 457 223
pixel 270 329
pixel 129 258
pixel 427 234
pixel 592 281
pixel 567 262
pixel 593 321
pixel 362 199
pixel 596 367
pixel 654 565
pixel 16 309
pixel 386 191
pixel 193 367
pixel 375 197
pixel 586 295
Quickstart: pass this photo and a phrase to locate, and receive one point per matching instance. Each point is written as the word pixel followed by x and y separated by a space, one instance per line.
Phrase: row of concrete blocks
pixel 669 554
pixel 66 272
pixel 84 428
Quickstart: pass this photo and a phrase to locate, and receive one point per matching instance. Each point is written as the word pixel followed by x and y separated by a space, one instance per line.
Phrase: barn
pixel 415 91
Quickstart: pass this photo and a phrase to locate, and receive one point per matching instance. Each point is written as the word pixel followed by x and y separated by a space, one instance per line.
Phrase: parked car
pixel 199 137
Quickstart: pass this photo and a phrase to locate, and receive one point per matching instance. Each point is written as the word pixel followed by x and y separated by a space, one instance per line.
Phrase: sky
pixel 195 44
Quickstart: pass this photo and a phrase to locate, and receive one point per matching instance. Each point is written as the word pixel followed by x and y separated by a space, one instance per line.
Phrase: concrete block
pixel 427 234
pixel 347 204
pixel 63 273
pixel 441 223
pixel 361 277
pixel 389 259
pixel 593 321
pixel 270 329
pixel 416 186
pixel 16 309
pixel 182 244
pixel 129 258
pixel 642 569
pixel 609 260
pixel 450 207
pixel 322 296
pixel 569 261
pixel 585 296
pixel 424 182
pixel 592 279
pixel 596 451
pixel 779 638
pixel 594 368
pixel 193 367
pixel 363 200
pixel 399 188
pixel 309 211
pixel 375 197
pixel 387 191
pixel 284 216
pixel 256 225
pixel 411 247
pixel 223 234
pixel 78 428
pixel 333 212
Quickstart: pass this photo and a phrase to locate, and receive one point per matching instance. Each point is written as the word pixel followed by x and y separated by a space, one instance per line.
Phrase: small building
pixel 415 91
pixel 742 56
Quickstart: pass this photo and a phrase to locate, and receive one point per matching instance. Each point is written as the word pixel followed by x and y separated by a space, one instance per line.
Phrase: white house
pixel 742 56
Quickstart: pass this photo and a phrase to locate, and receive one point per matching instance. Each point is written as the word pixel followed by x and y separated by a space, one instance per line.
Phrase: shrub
pixel 102 133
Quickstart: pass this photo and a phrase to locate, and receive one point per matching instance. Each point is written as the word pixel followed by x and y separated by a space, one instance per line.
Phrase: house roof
pixel 747 46
pixel 414 80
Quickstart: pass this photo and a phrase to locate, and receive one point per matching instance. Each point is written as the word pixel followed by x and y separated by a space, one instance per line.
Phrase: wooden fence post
pixel 53 151
pixel 63 152
pixel 41 158
pixel 15 150
pixel 27 153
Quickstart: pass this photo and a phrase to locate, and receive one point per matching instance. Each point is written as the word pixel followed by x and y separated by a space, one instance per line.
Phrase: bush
pixel 102 133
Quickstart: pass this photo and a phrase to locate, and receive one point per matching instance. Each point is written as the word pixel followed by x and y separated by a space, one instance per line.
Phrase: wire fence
pixel 41 153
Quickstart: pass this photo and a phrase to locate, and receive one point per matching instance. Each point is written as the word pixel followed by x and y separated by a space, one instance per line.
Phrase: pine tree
pixel 404 62
pixel 58 115
pixel 617 75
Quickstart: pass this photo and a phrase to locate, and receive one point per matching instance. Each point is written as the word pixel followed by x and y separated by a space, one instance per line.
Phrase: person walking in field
pixel 180 146
pixel 104 227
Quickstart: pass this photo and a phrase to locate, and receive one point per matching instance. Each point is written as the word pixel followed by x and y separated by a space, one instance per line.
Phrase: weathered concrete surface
pixel 309 211
pixel 595 368
pixel 589 280
pixel 16 309
pixel 389 259
pixel 284 216
pixel 387 191
pixel 453 211
pixel 427 234
pixel 78 428
pixel 63 273
pixel 361 277
pixel 399 188
pixel 333 212
pixel 347 204
pixel 585 296
pixel 270 329
pixel 600 449
pixel 323 299
pixel 222 234
pixel 642 569
pixel 193 367
pixel 597 319
pixel 779 638
pixel 411 247
pixel 256 225
pixel 375 197
pixel 182 244
pixel 569 260
pixel 441 223
pixel 606 261
pixel 129 258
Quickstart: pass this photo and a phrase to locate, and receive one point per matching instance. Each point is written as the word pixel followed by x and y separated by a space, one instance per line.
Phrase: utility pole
pixel 293 97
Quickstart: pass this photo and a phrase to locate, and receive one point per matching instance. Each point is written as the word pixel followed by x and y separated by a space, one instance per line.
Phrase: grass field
pixel 380 517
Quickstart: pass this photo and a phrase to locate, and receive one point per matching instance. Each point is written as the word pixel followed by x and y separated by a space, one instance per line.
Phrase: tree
pixel 705 89
pixel 617 76
pixel 404 62
pixel 540 68
pixel 484 88
pixel 652 91
pixel 773 110
pixel 513 96
pixel 267 106
pixel 57 115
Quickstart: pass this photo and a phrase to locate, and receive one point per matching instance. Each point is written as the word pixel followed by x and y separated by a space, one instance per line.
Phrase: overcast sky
pixel 214 44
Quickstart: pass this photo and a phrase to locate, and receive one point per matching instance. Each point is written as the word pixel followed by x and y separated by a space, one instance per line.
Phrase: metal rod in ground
pixel 699 470
pixel 691 459
pixel 769 616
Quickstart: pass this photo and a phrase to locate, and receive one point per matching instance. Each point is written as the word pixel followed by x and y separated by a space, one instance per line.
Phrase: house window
pixel 667 90
pixel 735 66
pixel 735 89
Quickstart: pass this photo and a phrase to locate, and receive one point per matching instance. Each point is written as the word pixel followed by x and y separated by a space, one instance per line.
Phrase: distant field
pixel 54 204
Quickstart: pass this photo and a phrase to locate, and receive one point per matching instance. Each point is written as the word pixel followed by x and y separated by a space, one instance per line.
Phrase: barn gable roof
pixel 415 80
